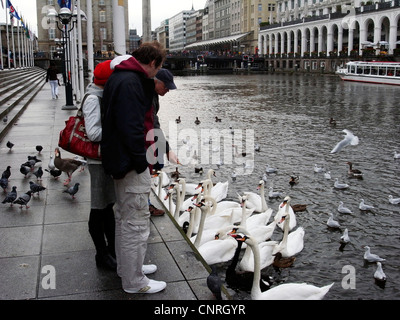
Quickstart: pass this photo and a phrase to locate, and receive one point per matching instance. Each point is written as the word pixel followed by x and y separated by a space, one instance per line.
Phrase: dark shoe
pixel 106 261
pixel 155 212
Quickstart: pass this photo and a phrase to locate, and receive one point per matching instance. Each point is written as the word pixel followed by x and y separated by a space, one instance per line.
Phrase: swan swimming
pixel 257 201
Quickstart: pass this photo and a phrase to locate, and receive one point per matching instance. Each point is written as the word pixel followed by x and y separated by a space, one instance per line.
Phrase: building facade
pixel 102 28
pixel 177 30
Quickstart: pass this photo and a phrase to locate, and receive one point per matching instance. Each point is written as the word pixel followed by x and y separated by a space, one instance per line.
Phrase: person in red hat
pixel 101 218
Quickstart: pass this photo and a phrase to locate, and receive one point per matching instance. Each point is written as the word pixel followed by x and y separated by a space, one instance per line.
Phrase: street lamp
pixel 65 18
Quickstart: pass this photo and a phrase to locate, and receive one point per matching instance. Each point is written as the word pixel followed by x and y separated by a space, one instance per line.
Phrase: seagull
pixel 35 188
pixel 11 196
pixel 370 257
pixel 270 169
pixel 274 194
pixel 349 138
pixel 9 145
pixel 24 199
pixel 51 165
pixel 72 190
pixel 345 237
pixel 339 185
pixel 379 274
pixel 332 223
pixel 318 169
pixel 257 147
pixel 365 207
pixel 327 175
pixel 394 200
pixel 343 209
pixel 396 155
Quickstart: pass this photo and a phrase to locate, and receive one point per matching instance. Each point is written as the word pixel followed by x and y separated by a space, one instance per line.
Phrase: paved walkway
pixel 49 243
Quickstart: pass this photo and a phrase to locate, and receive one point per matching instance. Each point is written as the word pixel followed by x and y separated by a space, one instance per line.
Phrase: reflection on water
pixel 290 118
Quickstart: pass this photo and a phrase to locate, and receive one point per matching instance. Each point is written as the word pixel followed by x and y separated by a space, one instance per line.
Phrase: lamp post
pixel 65 18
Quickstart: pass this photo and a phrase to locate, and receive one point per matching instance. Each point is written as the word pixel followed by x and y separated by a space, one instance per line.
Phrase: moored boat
pixel 371 71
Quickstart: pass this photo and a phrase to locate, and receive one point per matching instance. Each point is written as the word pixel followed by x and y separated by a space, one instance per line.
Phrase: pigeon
pixel 4 184
pixel 25 170
pixel 370 257
pixel 10 145
pixel 38 173
pixel 72 190
pixel 365 207
pixel 32 160
pixel 6 173
pixel 11 196
pixel 24 199
pixel 36 188
pixel 39 148
pixel 332 223
pixel 214 283
pixel 5 119
pixel 349 139
pixel 54 172
pixel 67 165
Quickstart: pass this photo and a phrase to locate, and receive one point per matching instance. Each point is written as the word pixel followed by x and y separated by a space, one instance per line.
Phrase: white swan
pixel 343 209
pixel 257 201
pixel 218 251
pixel 292 243
pixel 287 291
pixel 219 191
pixel 285 209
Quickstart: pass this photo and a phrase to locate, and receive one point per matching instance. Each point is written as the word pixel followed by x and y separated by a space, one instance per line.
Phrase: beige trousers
pixel 132 227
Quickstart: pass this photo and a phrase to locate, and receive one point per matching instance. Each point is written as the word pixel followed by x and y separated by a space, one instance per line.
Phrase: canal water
pixel 288 116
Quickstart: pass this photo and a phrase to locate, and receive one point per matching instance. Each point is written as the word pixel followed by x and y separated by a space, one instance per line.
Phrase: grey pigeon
pixel 4 183
pixel 35 188
pixel 25 170
pixel 39 148
pixel 24 199
pixel 38 173
pixel 10 145
pixel 72 190
pixel 5 119
pixel 6 173
pixel 11 196
pixel 54 172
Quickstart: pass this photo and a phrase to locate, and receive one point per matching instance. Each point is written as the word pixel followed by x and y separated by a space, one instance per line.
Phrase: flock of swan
pixel 215 226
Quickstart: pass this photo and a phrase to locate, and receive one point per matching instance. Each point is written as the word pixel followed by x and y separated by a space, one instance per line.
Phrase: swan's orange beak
pixel 283 204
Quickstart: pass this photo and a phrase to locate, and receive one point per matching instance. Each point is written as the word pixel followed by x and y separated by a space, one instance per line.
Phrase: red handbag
pixel 73 137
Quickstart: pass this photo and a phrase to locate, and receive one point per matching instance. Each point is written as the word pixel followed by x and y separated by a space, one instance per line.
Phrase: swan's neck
pixel 264 206
pixel 244 217
pixel 178 203
pixel 204 213
pixel 286 230
pixel 160 180
pixel 193 214
pixel 255 289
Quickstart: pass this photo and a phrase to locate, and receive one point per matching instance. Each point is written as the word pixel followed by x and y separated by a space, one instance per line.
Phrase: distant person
pixel 52 76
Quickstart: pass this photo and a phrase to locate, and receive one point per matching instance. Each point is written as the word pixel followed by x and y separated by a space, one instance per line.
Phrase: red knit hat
pixel 102 72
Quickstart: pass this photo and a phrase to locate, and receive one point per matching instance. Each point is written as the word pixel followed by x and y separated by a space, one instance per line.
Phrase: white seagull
pixel 339 185
pixel 396 155
pixel 343 209
pixel 327 175
pixel 394 200
pixel 318 169
pixel 365 207
pixel 349 138
pixel 371 257
pixel 332 223
pixel 345 237
pixel 379 274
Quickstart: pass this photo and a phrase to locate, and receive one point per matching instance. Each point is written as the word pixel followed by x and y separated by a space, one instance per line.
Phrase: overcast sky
pixel 160 10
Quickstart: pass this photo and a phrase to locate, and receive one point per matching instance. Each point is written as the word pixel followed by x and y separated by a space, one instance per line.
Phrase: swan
pixel 394 200
pixel 285 209
pixel 241 280
pixel 219 191
pixel 168 197
pixel 160 183
pixel 343 209
pixel 332 223
pixel 339 185
pixel 294 291
pixel 365 207
pixel 257 200
pixel 371 257
pixel 292 243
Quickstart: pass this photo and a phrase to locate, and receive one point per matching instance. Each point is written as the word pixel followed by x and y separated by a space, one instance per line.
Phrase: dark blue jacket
pixel 127 105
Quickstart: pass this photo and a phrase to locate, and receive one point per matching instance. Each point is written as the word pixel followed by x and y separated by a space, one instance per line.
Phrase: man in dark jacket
pixel 128 117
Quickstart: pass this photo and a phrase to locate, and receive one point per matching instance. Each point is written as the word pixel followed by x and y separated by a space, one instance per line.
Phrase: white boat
pixel 371 71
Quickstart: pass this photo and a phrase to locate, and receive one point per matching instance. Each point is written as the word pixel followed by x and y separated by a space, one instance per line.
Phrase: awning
pixel 229 39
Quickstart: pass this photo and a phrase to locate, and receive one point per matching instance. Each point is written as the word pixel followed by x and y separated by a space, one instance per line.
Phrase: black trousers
pixel 102 229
